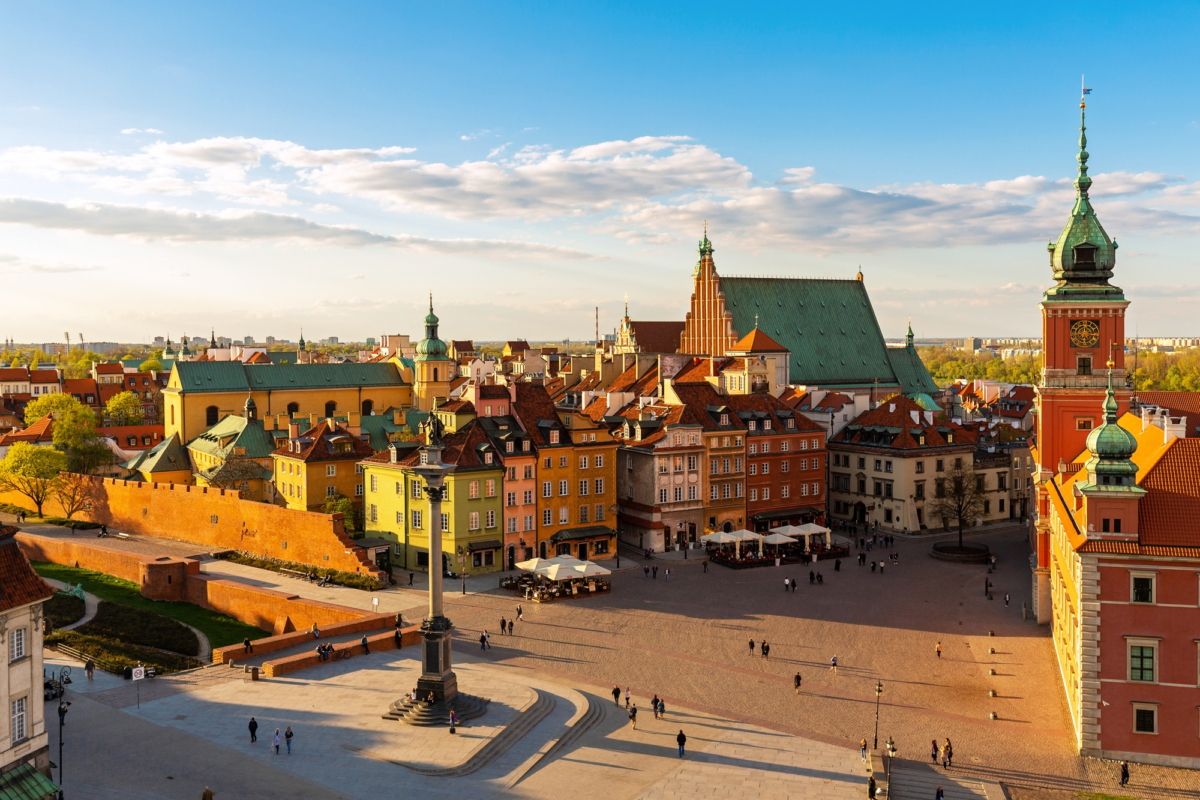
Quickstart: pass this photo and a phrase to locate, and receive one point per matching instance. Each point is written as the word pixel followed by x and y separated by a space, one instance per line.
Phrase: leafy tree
pixel 948 364
pixel 151 364
pixel 124 409
pixel 340 504
pixel 56 404
pixel 16 362
pixel 33 362
pixel 959 496
pixel 32 471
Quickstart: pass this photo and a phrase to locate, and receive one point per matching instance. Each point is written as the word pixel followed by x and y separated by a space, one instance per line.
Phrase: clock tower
pixel 1083 328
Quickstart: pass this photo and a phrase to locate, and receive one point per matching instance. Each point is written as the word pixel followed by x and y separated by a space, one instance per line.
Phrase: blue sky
pixel 170 169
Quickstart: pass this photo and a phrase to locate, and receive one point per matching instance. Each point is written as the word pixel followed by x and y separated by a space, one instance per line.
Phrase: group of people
pixel 657 705
pixel 276 739
pixel 325 651
pixel 942 752
pixel 652 571
pixel 763 647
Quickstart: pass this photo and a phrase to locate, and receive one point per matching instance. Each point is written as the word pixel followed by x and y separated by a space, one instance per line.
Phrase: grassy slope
pixel 220 629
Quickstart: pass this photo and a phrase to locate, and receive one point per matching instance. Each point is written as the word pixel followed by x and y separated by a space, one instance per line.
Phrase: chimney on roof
pixel 293 430
pixel 312 420
pixel 354 423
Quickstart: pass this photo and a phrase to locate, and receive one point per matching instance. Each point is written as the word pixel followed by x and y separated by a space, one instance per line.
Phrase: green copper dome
pixel 431 348
pixel 1084 256
pixel 1112 447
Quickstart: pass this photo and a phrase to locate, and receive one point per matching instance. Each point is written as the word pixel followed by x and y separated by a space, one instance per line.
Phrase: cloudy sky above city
pixel 261 169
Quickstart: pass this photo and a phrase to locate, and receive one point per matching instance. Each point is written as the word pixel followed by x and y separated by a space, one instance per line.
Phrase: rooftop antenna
pixel 597 326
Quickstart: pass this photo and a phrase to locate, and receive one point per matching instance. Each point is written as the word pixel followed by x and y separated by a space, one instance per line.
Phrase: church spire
pixel 908 337
pixel 1111 447
pixel 706 250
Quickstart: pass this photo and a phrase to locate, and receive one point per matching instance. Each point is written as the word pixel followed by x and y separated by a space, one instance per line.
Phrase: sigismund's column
pixel 436 673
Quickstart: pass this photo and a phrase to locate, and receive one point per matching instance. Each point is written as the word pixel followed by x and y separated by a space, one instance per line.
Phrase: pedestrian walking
pixel 646 571
pixel 787 584
pixel 949 754
pixel 503 625
pixel 940 794
pixel 862 749
pixel 246 646
pixel 833 665
pixel 483 641
pixel 662 709
pixel 938 649
pixel 765 649
pixel 520 612
pixel 627 695
pixel 287 737
pixel 681 740
pixel 933 751
pixel 253 730
pixel 90 669
pixel 654 706
pixel 1124 772
pixel 820 578
pixel 881 566
pixel 208 795
pixel 633 716
pixel 812 577
pixel 793 585
pixel 275 741
pixel 872 565
pixel 796 682
pixel 704 564
pixel 654 570
pixel 365 645
pixel 752 648
pixel 666 573
pixel 616 693
pixel 510 633
pixel 410 578
pixel 1006 599
pixel 942 756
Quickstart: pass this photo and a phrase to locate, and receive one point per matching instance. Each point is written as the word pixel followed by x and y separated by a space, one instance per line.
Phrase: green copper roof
pixel 830 329
pixel 234 376
pixel 166 456
pixel 232 432
pixel 1084 256
pixel 1112 447
pixel 26 783
pixel 431 348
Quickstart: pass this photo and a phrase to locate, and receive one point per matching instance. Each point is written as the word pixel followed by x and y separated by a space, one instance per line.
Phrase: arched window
pixel 330 408
pixel 368 408
pixel 435 369
pixel 172 415
pixel 210 415
pixel 293 408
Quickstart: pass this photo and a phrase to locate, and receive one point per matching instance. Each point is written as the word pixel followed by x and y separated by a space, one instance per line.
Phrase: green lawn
pixel 220 629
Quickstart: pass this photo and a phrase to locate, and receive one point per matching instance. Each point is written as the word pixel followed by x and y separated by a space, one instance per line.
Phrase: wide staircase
pixel 920 782
pixel 423 714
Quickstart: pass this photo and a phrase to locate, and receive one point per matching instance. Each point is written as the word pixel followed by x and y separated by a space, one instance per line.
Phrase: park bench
pixel 295 573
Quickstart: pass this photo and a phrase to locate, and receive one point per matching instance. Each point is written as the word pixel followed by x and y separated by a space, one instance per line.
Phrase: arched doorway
pixel 727 527
pixel 293 408
pixel 330 409
pixel 860 513
pixel 211 415
pixel 512 556
pixel 368 407
pixel 542 550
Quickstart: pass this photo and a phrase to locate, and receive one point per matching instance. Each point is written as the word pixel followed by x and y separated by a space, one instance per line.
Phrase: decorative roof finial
pixel 908 337
pixel 1083 182
pixel 431 302
pixel 756 322
pixel 627 305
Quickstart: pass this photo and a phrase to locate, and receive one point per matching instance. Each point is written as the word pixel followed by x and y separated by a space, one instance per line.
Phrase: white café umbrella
pixel 565 561
pixel 558 572
pixel 533 564
pixel 788 530
pixel 720 537
pixel 777 539
pixel 812 529
pixel 746 536
pixel 589 569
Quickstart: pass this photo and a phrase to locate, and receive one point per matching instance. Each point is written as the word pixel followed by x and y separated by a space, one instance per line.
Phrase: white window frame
pixel 473 521
pixel 1141 573
pixel 331 470
pixel 1136 707
pixel 17 648
pixel 19 719
pixel 1137 641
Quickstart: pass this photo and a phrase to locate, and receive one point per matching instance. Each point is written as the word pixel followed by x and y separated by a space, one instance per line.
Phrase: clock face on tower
pixel 1084 333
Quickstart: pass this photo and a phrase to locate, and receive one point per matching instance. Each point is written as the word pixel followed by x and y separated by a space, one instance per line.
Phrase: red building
pixel 1117 534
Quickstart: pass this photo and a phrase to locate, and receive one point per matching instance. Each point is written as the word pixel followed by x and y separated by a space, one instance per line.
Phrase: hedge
pixel 63 609
pixel 121 654
pixel 139 627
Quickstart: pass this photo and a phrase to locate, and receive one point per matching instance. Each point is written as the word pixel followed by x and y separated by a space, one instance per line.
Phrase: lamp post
pixel 878 692
pixel 891 751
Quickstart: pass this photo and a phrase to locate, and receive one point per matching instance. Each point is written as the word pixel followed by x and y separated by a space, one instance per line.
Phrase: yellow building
pixel 166 462
pixel 397 509
pixel 433 369
pixel 319 464
pixel 199 393
pixel 235 454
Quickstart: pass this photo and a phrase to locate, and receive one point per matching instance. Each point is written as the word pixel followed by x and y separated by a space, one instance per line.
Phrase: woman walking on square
pixel 275 741
pixel 287 737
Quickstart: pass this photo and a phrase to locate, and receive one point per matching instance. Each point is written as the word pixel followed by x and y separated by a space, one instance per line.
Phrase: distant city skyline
pixel 529 164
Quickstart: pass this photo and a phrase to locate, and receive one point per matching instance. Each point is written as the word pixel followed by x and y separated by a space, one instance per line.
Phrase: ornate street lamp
pixel 878 693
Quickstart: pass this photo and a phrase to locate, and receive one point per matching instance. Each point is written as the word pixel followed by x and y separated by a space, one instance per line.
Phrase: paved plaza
pixel 684 639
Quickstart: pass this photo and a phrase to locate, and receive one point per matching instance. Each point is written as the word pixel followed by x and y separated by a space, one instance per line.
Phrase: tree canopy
pixel 124 408
pixel 151 365
pixel 948 364
pixel 32 471
pixel 958 497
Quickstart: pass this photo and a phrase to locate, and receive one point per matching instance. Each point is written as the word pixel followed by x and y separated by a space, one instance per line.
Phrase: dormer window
pixel 766 424
pixel 1085 256
pixel 791 423
pixel 752 425
pixel 525 446
pixel 724 419
pixel 553 437
pixel 509 447
pixel 487 458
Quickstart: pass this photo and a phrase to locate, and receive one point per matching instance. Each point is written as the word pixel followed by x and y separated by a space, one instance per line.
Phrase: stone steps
pixel 415 712
pixel 512 733
pixel 593 715
pixel 916 783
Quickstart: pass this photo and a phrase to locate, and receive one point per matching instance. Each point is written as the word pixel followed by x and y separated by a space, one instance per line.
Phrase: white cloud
pixel 140 130
pixel 10 263
pixel 326 208
pixel 241 225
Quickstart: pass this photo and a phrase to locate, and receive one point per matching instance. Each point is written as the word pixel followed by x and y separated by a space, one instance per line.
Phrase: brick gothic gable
pixel 708 328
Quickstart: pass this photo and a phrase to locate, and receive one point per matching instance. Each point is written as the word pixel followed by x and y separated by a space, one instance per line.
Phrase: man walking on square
pixel 752 648
pixel 627 694
pixel 766 649
pixel 654 570
pixel 646 571
pixel 633 716
pixel 616 693
pixel 520 612
pixel 939 649
pixel 796 682
pixel 681 740
pixel 503 625
pixel 253 730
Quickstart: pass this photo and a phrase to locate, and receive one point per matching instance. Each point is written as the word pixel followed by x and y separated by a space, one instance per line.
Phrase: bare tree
pixel 959 496
pixel 233 473
pixel 74 492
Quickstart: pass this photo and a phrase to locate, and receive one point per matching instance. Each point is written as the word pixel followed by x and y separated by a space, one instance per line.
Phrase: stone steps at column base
pixel 416 712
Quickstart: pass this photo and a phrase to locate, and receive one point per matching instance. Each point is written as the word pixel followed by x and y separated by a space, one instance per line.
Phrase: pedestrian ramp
pixel 915 782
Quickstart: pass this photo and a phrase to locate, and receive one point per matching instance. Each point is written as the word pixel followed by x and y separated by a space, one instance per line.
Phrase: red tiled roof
pixel 81 386
pixel 464 449
pixel 1177 404
pixel 44 376
pixel 756 341
pixel 516 345
pixel 895 413
pixel 1135 549
pixel 533 405
pixel 492 391
pixel 770 405
pixel 258 357
pixel 595 410
pixel 457 406
pixel 657 337
pixel 625 380
pixel 317 448
pixel 14 374
pixel 109 368
pixel 1169 513
pixel 19 584
pixel 695 372
pixel 40 431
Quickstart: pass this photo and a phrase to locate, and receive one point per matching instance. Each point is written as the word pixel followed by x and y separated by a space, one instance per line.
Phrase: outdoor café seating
pixel 545 580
